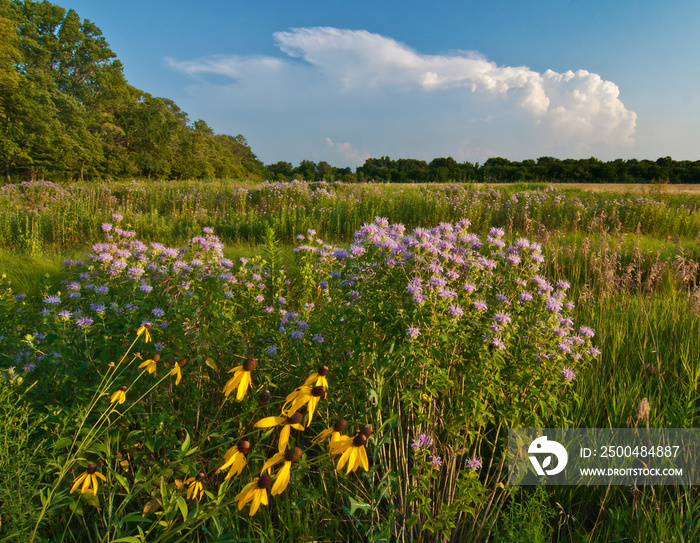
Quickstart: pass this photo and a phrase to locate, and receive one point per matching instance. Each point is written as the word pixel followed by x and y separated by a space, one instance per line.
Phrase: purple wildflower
pixel 412 331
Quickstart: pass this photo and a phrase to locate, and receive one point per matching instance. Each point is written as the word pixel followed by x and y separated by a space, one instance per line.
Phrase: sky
pixel 345 81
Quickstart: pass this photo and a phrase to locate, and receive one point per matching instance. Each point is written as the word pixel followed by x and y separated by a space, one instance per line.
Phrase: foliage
pixel 66 111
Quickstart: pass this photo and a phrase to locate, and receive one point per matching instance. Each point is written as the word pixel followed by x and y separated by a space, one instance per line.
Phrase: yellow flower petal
pixel 258 494
pixel 243 385
pixel 343 458
pixel 363 458
pixel 78 482
pixel 269 422
pixel 275 459
pixel 282 479
pixel 352 461
pixel 284 437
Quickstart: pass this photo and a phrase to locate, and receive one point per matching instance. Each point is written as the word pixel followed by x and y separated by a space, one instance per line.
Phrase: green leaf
pixel 128 539
pixel 62 442
pixel 182 505
pixel 355 505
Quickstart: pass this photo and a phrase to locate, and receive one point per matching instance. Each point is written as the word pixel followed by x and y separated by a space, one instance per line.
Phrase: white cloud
pixel 334 79
pixel 347 151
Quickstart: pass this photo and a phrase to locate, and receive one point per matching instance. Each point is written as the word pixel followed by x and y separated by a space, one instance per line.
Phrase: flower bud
pixel 264 397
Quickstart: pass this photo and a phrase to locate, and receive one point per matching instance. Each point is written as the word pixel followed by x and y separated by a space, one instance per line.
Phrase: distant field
pixel 637 188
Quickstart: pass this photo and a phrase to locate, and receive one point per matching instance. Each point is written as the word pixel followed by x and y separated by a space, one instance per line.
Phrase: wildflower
pixel 286 422
pixel 412 332
pixel 143 331
pixel 423 440
pixel 150 364
pixel 435 461
pixel 304 395
pixel 333 432
pixel 235 459
pixel 157 312
pixel 318 378
pixel 241 378
pixel 118 396
pixel 568 373
pixel 474 463
pixel 255 492
pixel 282 479
pixel 196 488
pixel 88 480
pixel 353 450
pixel 84 321
pixel 52 300
pixel 177 370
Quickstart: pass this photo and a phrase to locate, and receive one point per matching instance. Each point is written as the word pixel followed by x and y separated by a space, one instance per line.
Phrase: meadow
pixel 212 361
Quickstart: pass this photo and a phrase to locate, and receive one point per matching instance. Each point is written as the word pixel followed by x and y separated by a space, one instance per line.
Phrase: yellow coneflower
pixel 353 450
pixel 177 370
pixel 333 432
pixel 255 492
pixel 318 378
pixel 196 488
pixel 235 459
pixel 286 422
pixel 150 364
pixel 88 480
pixel 241 378
pixel 304 395
pixel 119 396
pixel 283 475
pixel 144 330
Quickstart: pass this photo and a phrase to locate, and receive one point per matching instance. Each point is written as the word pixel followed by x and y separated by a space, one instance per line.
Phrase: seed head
pixel 92 468
pixel 264 481
pixel 318 391
pixel 123 388
pixel 156 357
pixel 250 364
pixel 243 446
pixel 359 440
pixel 340 425
pixel 200 476
pixel 182 362
pixel 293 454
pixel 264 397
pixel 323 371
pixel 366 430
pixel 296 418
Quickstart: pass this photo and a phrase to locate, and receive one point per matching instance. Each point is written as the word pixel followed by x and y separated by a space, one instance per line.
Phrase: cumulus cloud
pixel 343 72
pixel 347 151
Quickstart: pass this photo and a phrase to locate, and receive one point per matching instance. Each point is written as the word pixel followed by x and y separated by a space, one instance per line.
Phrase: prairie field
pixel 214 361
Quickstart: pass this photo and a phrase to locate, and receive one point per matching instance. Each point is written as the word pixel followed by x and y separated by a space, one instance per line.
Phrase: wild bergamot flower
pixel 150 364
pixel 88 480
pixel 241 378
pixel 119 396
pixel 143 331
pixel 286 422
pixel 333 432
pixel 255 492
pixel 177 370
pixel 235 459
pixel 196 488
pixel 353 450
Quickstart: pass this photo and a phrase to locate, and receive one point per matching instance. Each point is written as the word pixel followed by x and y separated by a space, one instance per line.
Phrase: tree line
pixel 67 111
pixel 496 170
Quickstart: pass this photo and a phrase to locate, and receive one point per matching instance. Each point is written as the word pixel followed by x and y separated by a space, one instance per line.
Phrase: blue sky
pixel 344 81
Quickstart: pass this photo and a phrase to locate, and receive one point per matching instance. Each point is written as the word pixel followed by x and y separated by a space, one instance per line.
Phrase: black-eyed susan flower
pixel 150 364
pixel 304 395
pixel 318 378
pixel 196 487
pixel 353 450
pixel 241 378
pixel 286 422
pixel 334 432
pixel 119 396
pixel 235 459
pixel 177 370
pixel 143 331
pixel 283 475
pixel 87 481
pixel 255 492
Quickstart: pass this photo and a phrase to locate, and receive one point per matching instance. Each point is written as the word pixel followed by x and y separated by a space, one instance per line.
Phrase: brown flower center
pixel 250 364
pixel 156 357
pixel 293 454
pixel 340 425
pixel 182 362
pixel 323 371
pixel 92 468
pixel 123 388
pixel 318 391
pixel 264 397
pixel 296 418
pixel 244 446
pixel 359 440
pixel 366 430
pixel 264 481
